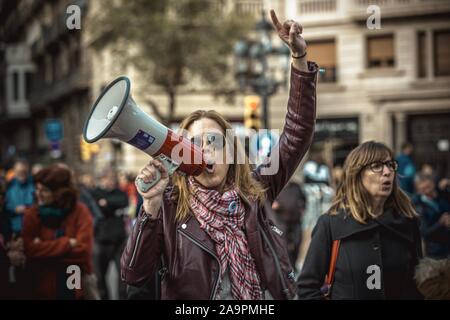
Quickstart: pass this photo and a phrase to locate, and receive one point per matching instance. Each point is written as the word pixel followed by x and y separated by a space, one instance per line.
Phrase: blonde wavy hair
pixel 246 185
pixel 351 194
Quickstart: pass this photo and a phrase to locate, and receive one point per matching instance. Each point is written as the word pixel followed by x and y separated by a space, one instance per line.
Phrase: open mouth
pixel 387 184
pixel 210 168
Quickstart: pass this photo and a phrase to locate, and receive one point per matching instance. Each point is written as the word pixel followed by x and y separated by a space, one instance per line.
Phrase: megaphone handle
pixel 144 187
pixel 170 166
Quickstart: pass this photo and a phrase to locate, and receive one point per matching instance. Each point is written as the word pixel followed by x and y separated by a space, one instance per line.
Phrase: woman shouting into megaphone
pixel 211 232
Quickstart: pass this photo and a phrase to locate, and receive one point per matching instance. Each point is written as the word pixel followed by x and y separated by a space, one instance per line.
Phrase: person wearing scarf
pixel 57 233
pixel 225 227
pixel 209 236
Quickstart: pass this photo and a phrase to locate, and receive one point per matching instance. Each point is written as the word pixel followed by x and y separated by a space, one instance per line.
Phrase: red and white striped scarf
pixel 224 223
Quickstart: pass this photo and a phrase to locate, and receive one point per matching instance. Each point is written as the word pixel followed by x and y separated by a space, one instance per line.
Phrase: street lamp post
pixel 252 68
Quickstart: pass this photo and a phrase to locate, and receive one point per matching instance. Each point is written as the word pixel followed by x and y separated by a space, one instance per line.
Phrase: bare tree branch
pixel 155 108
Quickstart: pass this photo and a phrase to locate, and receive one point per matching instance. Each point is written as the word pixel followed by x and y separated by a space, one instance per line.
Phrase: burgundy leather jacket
pixel 191 266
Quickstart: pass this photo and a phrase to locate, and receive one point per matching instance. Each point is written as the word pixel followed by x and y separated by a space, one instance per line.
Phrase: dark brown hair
pixel 59 180
pixel 351 194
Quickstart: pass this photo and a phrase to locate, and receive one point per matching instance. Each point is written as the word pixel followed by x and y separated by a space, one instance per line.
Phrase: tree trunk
pixel 171 91
pixel 157 111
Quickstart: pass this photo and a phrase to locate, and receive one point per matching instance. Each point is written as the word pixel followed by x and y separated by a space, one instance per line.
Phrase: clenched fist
pixel 153 197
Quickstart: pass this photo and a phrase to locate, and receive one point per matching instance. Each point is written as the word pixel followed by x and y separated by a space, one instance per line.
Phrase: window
pixel 324 54
pixel 422 54
pixel 75 53
pixel 15 76
pixel 28 84
pixel 380 52
pixel 442 53
pixel 64 61
pixel 48 69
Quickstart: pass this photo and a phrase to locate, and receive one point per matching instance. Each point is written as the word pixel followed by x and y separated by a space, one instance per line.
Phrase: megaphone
pixel 116 115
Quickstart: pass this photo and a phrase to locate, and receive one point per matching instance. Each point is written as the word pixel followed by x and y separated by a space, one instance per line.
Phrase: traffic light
pixel 87 150
pixel 252 112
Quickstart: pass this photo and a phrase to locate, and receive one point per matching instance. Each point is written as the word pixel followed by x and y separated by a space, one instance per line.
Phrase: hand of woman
pixel 290 32
pixel 17 258
pixel 445 220
pixel 15 244
pixel 153 197
pixel 73 242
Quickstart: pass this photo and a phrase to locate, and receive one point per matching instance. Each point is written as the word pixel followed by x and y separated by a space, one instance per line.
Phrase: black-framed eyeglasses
pixel 378 166
pixel 212 139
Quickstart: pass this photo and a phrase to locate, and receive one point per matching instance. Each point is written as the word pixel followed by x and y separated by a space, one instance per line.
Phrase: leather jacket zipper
pixel 216 283
pixel 138 239
pixel 277 263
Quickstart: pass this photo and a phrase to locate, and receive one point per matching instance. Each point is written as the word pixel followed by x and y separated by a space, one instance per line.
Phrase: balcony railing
pixel 241 7
pixel 320 10
pixel 396 8
pixel 43 93
pixel 57 29
pixel 53 32
pixel 306 7
pixel 19 17
pixel 253 7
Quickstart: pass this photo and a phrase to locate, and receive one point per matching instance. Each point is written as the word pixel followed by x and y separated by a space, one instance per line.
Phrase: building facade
pixel 45 75
pixel 389 84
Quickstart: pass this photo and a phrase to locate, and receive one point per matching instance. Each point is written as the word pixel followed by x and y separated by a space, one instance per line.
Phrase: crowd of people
pixel 51 219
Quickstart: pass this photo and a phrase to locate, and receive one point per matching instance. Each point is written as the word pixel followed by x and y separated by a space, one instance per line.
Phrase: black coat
pixel 391 242
pixel 110 228
pixel 115 198
pixel 435 235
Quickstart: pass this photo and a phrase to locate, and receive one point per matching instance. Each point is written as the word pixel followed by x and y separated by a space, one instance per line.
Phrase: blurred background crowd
pixel 94 216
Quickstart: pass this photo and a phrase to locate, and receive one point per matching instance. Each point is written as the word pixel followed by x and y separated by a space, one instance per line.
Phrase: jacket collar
pixel 191 227
pixel 343 225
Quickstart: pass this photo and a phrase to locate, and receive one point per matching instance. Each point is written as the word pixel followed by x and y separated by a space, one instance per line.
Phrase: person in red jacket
pixel 58 237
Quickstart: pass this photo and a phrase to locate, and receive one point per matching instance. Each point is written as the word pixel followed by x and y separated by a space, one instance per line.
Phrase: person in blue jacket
pixel 406 169
pixel 19 195
pixel 434 212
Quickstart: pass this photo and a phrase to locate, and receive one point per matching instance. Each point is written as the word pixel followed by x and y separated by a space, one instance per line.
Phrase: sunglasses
pixel 378 166
pixel 213 139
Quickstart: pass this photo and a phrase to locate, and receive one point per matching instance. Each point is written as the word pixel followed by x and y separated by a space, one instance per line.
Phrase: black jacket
pixel 115 198
pixel 435 235
pixel 110 228
pixel 392 242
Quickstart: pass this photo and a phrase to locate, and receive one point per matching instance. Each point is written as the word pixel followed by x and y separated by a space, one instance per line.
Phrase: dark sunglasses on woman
pixel 212 139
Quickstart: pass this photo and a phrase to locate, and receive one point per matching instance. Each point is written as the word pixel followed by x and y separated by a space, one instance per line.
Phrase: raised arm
pixel 298 131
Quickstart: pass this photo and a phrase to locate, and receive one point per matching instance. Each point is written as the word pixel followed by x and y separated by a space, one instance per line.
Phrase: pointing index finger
pixel 275 21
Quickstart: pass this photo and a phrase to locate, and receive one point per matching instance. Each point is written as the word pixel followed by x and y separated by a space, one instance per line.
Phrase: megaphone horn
pixel 116 115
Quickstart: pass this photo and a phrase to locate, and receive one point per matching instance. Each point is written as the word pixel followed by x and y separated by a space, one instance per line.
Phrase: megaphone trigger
pixel 168 163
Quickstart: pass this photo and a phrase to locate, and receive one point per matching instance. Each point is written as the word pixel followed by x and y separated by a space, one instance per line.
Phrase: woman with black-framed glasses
pixel 375 230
